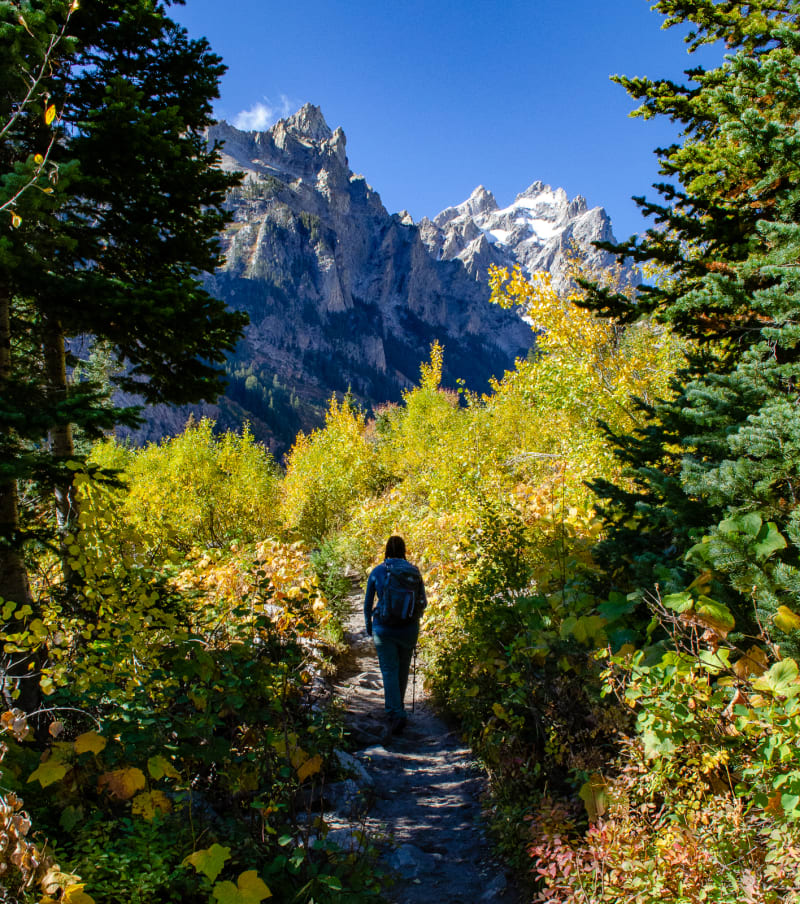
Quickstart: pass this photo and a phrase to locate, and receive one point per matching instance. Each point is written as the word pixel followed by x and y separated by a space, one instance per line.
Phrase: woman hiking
pixel 393 623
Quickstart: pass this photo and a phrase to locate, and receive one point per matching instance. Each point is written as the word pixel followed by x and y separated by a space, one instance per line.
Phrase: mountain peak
pixel 481 201
pixel 310 122
pixel 540 191
pixel 539 230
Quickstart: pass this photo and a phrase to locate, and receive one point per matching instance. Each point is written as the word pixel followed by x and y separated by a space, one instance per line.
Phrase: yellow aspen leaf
pixel 123 783
pixel 249 889
pixel 473 691
pixel 310 767
pixel 54 880
pixel 159 766
pixel 594 796
pixel 16 220
pixel 774 806
pixel 298 756
pixel 75 894
pixel 38 159
pixel 498 710
pixel 787 620
pixel 50 114
pixel 90 742
pixel 148 803
pixel 49 772
pixel 754 662
pixel 210 861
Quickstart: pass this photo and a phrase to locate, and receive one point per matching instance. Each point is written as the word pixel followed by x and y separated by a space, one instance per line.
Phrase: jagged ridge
pixel 344 296
pixel 542 229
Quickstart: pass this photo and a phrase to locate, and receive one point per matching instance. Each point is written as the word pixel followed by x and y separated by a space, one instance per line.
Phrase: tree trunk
pixel 15 668
pixel 62 448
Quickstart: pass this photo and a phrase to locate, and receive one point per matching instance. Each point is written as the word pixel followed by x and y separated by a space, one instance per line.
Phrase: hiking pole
pixel 414 682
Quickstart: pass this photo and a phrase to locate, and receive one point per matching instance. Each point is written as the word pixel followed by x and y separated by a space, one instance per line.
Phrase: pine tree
pixel 715 470
pixel 113 245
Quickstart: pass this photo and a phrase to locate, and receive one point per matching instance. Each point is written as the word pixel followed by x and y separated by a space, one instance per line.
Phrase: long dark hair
pixel 395 548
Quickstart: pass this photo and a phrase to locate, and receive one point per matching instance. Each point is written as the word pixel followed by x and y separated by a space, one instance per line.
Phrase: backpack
pixel 401 602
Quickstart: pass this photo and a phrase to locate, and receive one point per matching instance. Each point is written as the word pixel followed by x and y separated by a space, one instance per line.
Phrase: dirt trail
pixel 424 795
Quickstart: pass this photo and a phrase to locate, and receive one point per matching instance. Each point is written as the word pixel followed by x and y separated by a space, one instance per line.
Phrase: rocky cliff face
pixel 342 296
pixel 541 230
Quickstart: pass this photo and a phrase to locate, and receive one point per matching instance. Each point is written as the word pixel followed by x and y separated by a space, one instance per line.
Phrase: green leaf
pixel 742 524
pixel 589 628
pixel 594 796
pixel 568 626
pixel 70 817
pixel 678 602
pixel 159 766
pixel 768 541
pixel 715 660
pixel 616 606
pixel 790 804
pixel 210 861
pixel 781 679
pixel 657 745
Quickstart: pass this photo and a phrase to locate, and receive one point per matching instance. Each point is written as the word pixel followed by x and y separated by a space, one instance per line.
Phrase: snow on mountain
pixel 542 229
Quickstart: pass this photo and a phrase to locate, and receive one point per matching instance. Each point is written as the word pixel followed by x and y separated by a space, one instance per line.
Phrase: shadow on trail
pixel 424 789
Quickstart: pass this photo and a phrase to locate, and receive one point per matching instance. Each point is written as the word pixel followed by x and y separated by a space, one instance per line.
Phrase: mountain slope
pixel 342 296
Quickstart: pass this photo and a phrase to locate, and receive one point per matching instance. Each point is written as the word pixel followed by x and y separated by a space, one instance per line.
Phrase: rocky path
pixel 417 797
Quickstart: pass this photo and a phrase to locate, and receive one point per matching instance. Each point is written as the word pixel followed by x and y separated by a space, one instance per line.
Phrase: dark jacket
pixel 376 584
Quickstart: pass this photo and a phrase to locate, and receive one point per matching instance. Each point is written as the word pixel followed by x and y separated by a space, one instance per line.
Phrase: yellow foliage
pixel 90 742
pixel 149 803
pixel 209 861
pixel 199 488
pixel 327 472
pixel 159 767
pixel 50 771
pixel 608 363
pixel 123 783
pixel 310 767
pixel 249 889
pixel 75 894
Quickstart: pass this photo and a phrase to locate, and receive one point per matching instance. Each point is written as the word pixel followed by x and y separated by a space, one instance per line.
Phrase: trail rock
pixel 351 765
pixel 346 798
pixel 411 862
pixel 347 839
pixel 495 889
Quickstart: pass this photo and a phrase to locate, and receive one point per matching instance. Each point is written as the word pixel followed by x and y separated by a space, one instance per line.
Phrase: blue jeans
pixel 395 649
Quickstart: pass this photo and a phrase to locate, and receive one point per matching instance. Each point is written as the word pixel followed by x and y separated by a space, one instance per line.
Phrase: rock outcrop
pixel 541 230
pixel 342 296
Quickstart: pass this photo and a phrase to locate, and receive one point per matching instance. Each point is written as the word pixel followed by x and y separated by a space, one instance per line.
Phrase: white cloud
pixel 262 114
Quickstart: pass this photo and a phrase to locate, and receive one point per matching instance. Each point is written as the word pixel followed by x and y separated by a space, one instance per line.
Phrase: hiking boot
pixel 399 725
pixel 395 727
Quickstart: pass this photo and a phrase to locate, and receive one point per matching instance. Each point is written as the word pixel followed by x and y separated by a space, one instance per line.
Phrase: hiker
pixel 394 625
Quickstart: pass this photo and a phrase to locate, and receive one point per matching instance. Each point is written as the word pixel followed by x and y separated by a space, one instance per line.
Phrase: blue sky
pixel 436 97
